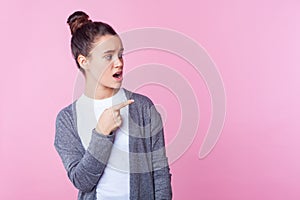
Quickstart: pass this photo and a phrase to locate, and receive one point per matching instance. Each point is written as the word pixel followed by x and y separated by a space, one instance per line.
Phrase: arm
pixel 84 168
pixel 161 170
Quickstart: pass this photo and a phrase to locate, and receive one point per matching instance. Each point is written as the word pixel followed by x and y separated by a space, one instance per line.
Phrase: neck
pixel 99 91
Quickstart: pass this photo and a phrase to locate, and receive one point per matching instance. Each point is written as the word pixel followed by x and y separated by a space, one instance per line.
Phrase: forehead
pixel 107 42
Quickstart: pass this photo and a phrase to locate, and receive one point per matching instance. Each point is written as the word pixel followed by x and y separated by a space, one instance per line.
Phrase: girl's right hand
pixel 111 119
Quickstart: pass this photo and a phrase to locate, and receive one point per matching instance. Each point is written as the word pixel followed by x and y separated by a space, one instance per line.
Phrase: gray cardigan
pixel 150 176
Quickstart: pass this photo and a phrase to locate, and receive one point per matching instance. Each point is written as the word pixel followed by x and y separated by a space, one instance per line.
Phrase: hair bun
pixel 77 20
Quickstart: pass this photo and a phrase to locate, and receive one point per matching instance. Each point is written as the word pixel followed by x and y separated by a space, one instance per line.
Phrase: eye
pixel 108 57
pixel 121 55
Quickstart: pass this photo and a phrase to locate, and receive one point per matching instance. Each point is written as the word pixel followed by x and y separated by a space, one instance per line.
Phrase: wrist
pixel 103 131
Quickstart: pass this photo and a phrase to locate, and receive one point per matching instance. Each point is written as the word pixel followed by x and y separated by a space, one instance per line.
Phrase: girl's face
pixel 105 62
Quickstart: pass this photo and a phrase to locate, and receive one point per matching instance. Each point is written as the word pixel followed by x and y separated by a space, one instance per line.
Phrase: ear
pixel 83 61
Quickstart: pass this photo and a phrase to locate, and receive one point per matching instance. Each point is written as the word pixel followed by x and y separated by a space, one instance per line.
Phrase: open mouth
pixel 118 75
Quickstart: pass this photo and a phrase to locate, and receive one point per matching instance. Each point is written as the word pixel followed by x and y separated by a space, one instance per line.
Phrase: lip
pixel 120 78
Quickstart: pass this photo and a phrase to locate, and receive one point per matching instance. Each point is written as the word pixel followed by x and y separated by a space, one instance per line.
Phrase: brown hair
pixel 84 34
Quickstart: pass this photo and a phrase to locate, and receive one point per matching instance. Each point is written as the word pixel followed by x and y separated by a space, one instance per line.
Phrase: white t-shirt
pixel 114 183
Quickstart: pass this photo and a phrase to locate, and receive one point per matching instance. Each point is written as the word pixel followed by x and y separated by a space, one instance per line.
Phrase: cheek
pixel 100 68
pixel 106 72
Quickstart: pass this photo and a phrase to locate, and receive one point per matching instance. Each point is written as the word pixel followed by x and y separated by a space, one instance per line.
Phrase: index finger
pixel 123 104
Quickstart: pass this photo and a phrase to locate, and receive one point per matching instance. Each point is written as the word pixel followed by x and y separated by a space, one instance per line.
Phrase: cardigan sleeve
pixel 161 170
pixel 84 168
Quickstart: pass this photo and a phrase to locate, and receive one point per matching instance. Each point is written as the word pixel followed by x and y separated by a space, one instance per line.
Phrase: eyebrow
pixel 112 51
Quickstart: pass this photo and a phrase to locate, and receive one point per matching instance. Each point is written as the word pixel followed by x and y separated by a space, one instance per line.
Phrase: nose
pixel 118 62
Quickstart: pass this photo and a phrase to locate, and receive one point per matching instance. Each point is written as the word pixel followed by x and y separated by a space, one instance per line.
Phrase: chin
pixel 116 86
pixel 112 85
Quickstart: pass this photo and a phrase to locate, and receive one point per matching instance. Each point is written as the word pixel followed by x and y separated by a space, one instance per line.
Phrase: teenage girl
pixel 110 140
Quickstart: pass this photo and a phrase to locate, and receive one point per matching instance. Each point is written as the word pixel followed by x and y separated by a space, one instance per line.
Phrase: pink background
pixel 255 45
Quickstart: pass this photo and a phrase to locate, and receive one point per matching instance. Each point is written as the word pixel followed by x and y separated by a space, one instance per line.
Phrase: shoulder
pixel 66 115
pixel 65 125
pixel 142 106
pixel 66 134
pixel 139 99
